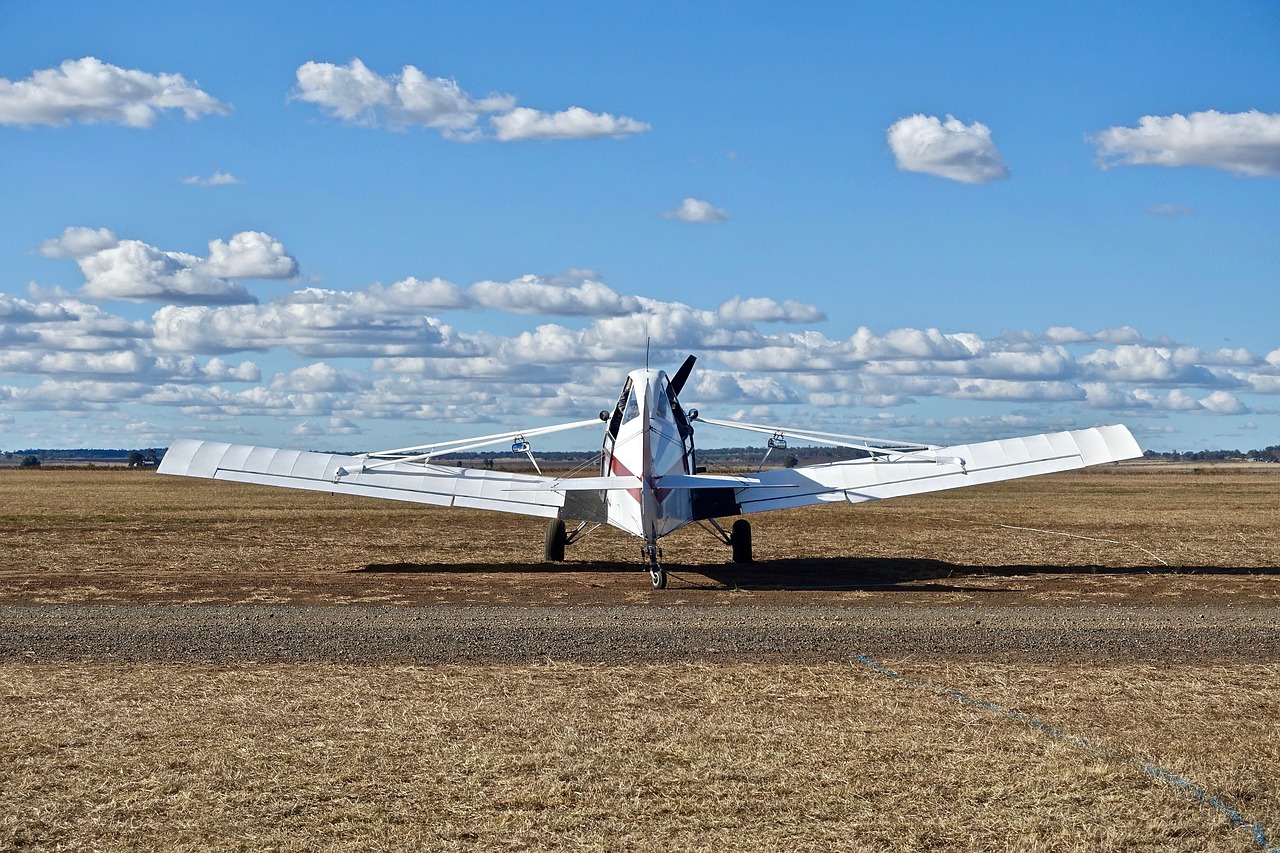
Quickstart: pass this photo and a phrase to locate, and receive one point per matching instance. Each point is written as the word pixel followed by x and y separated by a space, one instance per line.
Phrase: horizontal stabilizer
pixel 579 484
pixel 709 481
pixel 670 481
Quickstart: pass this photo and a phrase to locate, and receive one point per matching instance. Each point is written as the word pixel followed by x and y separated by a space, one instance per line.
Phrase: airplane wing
pixel 908 470
pixel 405 474
pixel 438 485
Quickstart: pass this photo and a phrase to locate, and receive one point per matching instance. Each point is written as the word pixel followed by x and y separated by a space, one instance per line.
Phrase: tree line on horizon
pixel 34 457
pixel 1266 454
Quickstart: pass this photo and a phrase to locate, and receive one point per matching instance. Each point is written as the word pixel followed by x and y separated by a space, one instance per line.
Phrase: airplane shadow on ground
pixel 915 575
pixel 814 574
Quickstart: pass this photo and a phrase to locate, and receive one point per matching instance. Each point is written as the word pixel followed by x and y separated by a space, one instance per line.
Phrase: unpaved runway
pixel 635 633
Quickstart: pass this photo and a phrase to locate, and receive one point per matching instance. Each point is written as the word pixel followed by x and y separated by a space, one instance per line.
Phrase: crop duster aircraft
pixel 649 482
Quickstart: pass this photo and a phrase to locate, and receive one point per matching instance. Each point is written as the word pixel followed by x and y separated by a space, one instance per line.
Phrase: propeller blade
pixel 677 381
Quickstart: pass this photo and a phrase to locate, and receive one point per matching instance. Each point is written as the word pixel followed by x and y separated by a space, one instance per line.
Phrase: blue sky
pixel 326 225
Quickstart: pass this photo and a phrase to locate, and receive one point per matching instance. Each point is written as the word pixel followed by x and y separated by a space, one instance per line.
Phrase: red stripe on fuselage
pixel 619 470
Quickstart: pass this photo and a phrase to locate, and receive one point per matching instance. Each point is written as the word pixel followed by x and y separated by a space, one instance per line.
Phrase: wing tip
pixel 1116 444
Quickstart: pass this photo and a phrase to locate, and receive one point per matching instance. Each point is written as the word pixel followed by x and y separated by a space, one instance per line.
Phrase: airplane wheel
pixel 653 555
pixel 740 539
pixel 554 551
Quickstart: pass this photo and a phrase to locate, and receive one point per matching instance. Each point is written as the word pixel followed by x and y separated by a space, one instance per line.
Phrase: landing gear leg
pixel 656 572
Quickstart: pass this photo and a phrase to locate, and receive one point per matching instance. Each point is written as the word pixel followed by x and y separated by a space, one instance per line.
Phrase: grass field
pixel 759 757
pixel 119 535
pixel 676 757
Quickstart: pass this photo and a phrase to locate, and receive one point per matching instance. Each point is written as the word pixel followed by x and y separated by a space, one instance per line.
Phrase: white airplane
pixel 649 482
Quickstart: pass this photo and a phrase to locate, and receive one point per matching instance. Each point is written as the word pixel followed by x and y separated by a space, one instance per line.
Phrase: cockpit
pixel 653 389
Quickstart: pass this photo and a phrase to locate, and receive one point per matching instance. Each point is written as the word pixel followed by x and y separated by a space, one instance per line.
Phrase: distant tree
pixel 135 459
pixel 791 462
pixel 29 462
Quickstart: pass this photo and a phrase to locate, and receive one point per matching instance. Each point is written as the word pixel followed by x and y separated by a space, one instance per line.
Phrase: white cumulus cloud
pixel 1071 335
pixel 437 102
pixel 90 90
pixel 573 123
pixel 341 357
pixel 317 329
pixel 66 325
pixel 762 309
pixel 696 210
pixel 352 93
pixel 333 426
pixel 532 294
pixel 76 243
pixel 410 295
pixel 1153 365
pixel 357 95
pixel 249 254
pixel 1245 143
pixel 315 378
pixel 949 149
pixel 1012 390
pixel 135 271
pixel 1223 403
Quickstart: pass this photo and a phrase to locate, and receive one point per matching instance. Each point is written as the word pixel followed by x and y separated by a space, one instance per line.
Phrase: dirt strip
pixel 629 634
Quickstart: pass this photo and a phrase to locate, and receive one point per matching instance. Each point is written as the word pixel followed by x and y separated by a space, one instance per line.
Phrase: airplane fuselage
pixel 648 436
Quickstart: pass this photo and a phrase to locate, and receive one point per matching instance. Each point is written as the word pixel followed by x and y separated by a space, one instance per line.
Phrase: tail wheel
pixel 658 574
pixel 740 539
pixel 554 551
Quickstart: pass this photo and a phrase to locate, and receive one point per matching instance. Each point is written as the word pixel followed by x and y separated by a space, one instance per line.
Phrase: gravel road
pixel 633 633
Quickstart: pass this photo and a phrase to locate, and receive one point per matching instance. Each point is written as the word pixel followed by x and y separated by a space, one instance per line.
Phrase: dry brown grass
pixel 118 535
pixel 666 757
pixel 655 757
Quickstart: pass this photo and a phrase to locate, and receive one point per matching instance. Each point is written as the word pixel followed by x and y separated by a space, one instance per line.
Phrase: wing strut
pixel 879 449
pixel 410 454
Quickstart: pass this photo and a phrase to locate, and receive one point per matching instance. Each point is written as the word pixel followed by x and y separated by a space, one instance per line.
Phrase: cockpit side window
pixel 662 405
pixel 683 425
pixel 632 409
pixel 623 399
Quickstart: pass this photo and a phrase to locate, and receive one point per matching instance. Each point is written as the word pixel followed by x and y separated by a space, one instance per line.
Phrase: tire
pixel 740 539
pixel 554 550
